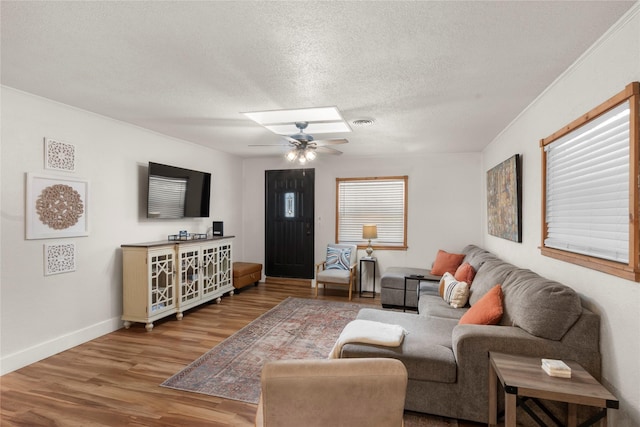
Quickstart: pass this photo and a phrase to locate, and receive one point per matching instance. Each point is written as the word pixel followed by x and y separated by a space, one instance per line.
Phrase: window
pixel 381 201
pixel 590 188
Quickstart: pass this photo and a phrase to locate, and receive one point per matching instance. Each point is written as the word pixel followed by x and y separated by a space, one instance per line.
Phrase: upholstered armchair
pixel 339 268
pixel 367 392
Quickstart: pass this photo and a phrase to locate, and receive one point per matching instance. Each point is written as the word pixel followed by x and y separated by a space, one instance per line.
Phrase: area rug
pixel 297 328
pixel 415 419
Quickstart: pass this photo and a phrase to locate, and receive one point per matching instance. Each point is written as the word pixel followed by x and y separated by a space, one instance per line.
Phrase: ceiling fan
pixel 304 147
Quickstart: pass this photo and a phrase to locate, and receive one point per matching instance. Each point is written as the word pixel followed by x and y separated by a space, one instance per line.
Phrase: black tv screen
pixel 175 192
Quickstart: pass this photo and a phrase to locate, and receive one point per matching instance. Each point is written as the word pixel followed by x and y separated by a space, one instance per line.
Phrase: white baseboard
pixel 22 358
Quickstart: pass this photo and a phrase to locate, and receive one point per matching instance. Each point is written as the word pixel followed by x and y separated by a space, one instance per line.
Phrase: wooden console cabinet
pixel 163 278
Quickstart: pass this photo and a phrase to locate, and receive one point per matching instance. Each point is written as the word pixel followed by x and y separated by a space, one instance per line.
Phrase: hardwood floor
pixel 114 380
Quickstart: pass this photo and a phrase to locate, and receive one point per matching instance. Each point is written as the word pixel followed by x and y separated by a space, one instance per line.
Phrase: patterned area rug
pixel 414 419
pixel 295 329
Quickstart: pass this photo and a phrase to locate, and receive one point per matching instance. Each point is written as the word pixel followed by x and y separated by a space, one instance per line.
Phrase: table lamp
pixel 369 231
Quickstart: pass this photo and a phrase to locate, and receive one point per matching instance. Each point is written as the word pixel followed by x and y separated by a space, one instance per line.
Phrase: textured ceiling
pixel 436 76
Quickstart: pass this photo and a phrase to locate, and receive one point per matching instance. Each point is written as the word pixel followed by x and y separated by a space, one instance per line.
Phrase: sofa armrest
pixel 469 342
pixel 473 340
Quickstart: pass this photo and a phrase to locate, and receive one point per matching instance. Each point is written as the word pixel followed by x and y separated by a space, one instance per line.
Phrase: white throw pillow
pixel 455 293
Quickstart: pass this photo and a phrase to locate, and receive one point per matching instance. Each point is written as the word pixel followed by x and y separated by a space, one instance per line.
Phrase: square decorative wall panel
pixel 59 258
pixel 59 155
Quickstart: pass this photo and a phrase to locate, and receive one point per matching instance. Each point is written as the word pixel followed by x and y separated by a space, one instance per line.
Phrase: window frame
pixel 631 270
pixel 363 244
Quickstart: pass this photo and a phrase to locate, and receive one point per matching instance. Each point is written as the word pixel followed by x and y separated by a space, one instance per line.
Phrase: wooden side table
pixel 523 377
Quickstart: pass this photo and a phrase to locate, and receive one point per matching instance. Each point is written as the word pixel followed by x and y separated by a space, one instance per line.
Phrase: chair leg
pixel 352 278
pixel 317 286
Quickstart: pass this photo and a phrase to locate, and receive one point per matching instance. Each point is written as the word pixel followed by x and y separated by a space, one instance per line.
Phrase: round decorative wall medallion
pixel 59 206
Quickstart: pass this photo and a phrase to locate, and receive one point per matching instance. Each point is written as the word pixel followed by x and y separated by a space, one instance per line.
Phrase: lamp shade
pixel 369 231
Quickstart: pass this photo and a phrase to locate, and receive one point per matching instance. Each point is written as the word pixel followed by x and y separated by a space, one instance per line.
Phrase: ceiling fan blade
pixel 323 142
pixel 328 150
pixel 291 140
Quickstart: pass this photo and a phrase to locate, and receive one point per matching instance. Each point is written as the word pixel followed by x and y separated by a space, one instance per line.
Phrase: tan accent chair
pixel 332 392
pixel 335 276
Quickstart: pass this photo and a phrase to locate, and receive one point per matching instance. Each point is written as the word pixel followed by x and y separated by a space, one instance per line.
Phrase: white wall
pixel 603 71
pixel 42 315
pixel 444 203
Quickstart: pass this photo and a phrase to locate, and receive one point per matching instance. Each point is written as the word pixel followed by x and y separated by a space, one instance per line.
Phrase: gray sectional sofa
pixel 448 363
pixel 392 293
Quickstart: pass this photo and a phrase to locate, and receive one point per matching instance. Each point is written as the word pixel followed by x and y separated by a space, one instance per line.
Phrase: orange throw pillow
pixel 465 273
pixel 487 310
pixel 446 263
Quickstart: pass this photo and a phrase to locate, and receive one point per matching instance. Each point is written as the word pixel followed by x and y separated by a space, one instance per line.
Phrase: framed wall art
pixel 59 155
pixel 59 258
pixel 57 207
pixel 504 200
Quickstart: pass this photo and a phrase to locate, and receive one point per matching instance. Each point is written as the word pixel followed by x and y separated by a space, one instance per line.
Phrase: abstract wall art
pixel 504 200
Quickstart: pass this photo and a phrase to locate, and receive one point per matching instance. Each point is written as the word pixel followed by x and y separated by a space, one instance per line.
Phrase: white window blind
pixel 167 196
pixel 587 188
pixel 376 201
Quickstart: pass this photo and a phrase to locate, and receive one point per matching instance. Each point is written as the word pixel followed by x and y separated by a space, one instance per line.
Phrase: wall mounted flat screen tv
pixel 175 192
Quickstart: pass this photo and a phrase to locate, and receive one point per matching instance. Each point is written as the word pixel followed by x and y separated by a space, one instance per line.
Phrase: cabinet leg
pixel 218 300
pixel 127 324
pixel 179 315
pixel 149 326
pixel 232 292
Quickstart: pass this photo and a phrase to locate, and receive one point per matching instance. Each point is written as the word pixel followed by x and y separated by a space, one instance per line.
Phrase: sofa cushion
pixel 542 307
pixel 430 305
pixel 333 276
pixel 476 256
pixel 487 311
pixel 491 273
pixel 446 263
pixel 454 292
pixel 429 288
pixel 425 351
pixel 465 273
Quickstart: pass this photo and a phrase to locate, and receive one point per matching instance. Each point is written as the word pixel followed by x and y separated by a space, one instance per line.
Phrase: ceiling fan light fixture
pixel 291 155
pixel 297 127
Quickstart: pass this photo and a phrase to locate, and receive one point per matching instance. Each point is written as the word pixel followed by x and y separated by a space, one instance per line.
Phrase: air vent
pixel 363 122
